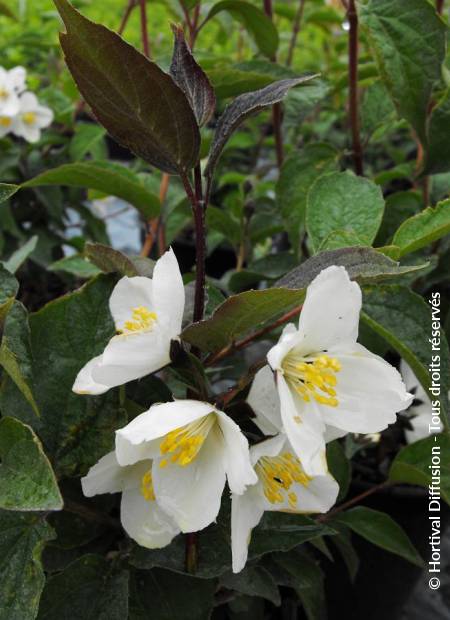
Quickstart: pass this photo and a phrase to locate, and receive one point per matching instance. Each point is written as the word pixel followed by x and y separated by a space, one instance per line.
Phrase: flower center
pixel 313 377
pixel 278 474
pixel 147 490
pixel 5 121
pixel 141 320
pixel 29 118
pixel 4 94
pixel 184 443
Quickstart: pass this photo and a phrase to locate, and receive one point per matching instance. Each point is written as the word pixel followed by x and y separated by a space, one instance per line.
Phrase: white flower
pixel 282 486
pixel 147 313
pixel 141 517
pixel 11 84
pixel 420 412
pixel 328 384
pixel 31 118
pixel 194 448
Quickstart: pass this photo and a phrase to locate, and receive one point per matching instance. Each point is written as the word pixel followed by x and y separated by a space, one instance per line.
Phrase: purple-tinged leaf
pixel 139 104
pixel 191 78
pixel 243 107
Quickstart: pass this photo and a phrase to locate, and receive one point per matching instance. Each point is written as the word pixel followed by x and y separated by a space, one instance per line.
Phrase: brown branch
pixel 222 400
pixel 156 228
pixel 126 16
pixel 353 87
pixel 241 344
pixel 144 28
pixel 355 500
pixel 295 32
pixel 440 6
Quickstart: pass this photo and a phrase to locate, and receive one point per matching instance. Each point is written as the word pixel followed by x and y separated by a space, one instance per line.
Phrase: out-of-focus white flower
pixel 420 411
pixel 282 486
pixel 147 313
pixel 141 516
pixel 12 83
pixel 194 448
pixel 328 384
pixel 31 118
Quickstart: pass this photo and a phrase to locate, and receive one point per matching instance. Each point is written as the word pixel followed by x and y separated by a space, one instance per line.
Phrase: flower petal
pixel 289 339
pixel 305 429
pixel 85 384
pixel 370 393
pixel 192 494
pixel 16 78
pixel 269 447
pixel 145 522
pixel 107 476
pixel 246 513
pixel 264 400
pixel 131 356
pixel 319 495
pixel 130 293
pixel 330 314
pixel 136 439
pixel 168 293
pixel 236 455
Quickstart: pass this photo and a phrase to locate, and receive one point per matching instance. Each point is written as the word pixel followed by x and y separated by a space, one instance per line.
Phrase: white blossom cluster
pixel 171 463
pixel 20 111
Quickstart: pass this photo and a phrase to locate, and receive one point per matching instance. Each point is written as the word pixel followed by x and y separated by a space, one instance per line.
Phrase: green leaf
pixel 15 352
pixel 408 40
pixel 255 21
pixel 22 537
pixel 399 207
pixel 298 173
pixel 88 139
pixel 345 547
pixel 437 156
pixel 20 256
pixel 239 315
pixel 27 481
pixel 412 463
pixel 364 265
pixel 65 334
pixel 7 190
pixel 109 260
pixel 340 239
pixel 243 107
pixel 138 104
pixel 191 78
pixel 253 581
pixel 275 532
pixel 403 319
pixel 381 530
pixel 163 595
pixel 8 285
pixel 75 265
pixel 343 201
pixel 222 221
pixel 307 580
pixel 340 467
pixel 106 177
pixel 423 228
pixel 90 587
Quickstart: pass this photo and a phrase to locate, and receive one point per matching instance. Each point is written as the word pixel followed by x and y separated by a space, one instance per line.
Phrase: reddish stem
pixel 440 6
pixel 295 32
pixel 241 344
pixel 144 29
pixel 355 500
pixel 126 16
pixel 353 87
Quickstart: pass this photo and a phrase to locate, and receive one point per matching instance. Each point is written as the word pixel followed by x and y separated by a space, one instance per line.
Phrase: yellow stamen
pixel 29 118
pixel 5 121
pixel 147 490
pixel 184 443
pixel 278 474
pixel 142 319
pixel 313 377
pixel 4 94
